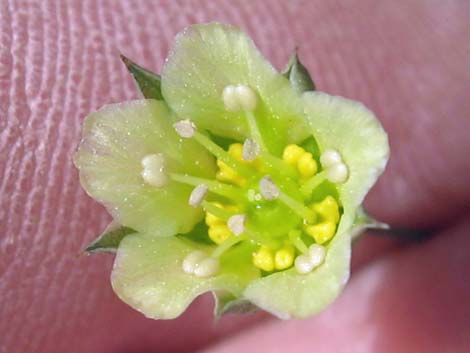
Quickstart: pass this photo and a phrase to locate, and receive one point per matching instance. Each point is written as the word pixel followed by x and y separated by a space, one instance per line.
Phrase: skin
pixel 408 61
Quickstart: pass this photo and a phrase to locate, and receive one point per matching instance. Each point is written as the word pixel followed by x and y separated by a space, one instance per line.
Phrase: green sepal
pixel 148 82
pixel 363 222
pixel 110 239
pixel 298 75
pixel 226 303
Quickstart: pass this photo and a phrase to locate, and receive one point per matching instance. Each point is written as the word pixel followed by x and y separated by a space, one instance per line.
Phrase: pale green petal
pixel 288 294
pixel 207 58
pixel 148 274
pixel 115 139
pixel 350 128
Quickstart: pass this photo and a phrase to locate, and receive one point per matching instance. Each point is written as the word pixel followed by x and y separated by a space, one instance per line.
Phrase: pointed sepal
pixel 110 239
pixel 226 303
pixel 364 222
pixel 298 75
pixel 149 83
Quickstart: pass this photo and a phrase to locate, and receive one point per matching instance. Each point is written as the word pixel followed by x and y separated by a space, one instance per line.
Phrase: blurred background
pixel 406 60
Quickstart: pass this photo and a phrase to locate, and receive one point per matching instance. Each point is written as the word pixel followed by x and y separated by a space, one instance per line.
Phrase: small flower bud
pixel 246 97
pixel 230 99
pixel 207 267
pixel 329 158
pixel 153 171
pixel 337 173
pixel 303 264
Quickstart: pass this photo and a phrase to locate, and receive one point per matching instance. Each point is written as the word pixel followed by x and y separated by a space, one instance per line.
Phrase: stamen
pixel 207 267
pixel 330 157
pixel 312 183
pixel 268 189
pixel 197 196
pixel 216 187
pixel 337 173
pixel 153 171
pixel 221 154
pixel 254 130
pixel 250 150
pixel 236 224
pixel 185 128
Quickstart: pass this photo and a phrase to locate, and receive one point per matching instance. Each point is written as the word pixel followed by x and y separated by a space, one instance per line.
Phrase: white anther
pixel 317 254
pixel 337 173
pixel 329 158
pixel 191 262
pixel 303 264
pixel 246 97
pixel 268 189
pixel 207 267
pixel 153 171
pixel 197 195
pixel 250 150
pixel 236 224
pixel 185 128
pixel 230 98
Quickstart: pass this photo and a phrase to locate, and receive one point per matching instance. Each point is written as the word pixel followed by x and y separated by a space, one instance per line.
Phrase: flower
pixel 235 182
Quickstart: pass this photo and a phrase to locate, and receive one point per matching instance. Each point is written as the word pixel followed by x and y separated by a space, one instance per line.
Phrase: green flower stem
pixel 260 239
pixel 254 130
pixel 294 237
pixel 277 165
pixel 216 187
pixel 216 211
pixel 221 154
pixel 296 206
pixel 227 244
pixel 312 183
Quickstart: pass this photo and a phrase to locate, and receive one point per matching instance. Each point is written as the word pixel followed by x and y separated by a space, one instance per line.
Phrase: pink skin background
pixel 407 60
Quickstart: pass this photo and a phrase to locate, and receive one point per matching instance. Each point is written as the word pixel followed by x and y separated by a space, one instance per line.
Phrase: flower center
pixel 286 206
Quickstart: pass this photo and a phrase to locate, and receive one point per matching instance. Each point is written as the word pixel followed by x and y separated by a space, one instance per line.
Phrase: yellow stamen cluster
pixel 301 159
pixel 218 228
pixel 278 257
pixel 325 228
pixel 267 259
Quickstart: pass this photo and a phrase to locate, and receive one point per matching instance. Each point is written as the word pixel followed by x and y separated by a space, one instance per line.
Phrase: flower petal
pixel 148 274
pixel 207 58
pixel 350 128
pixel 115 139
